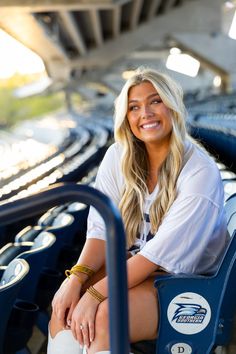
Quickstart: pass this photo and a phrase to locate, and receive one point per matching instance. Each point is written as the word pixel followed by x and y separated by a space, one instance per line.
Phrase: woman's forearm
pixel 93 254
pixel 138 269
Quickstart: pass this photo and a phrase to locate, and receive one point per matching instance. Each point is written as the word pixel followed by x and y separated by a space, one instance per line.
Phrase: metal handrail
pixel 115 246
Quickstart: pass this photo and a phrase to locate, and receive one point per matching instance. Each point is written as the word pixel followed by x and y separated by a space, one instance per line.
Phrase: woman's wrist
pixel 95 294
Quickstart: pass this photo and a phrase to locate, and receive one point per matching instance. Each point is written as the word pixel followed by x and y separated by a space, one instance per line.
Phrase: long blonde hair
pixel 135 159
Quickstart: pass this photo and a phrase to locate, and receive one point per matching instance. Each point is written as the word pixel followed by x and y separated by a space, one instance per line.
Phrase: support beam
pixel 136 10
pixel 96 25
pixel 116 21
pixel 210 65
pixel 73 31
pixel 153 8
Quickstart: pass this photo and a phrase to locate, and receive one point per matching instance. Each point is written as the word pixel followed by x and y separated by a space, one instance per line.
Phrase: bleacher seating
pixel 10 282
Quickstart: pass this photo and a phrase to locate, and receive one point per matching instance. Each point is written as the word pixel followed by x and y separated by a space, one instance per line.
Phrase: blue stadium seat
pixel 62 227
pixel 229 187
pixel 197 312
pixel 10 283
pixel 35 253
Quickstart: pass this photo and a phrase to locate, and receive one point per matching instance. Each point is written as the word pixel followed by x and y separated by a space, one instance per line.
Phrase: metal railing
pixel 115 246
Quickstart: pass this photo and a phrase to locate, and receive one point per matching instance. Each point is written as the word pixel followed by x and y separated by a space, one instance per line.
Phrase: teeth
pixel 151 125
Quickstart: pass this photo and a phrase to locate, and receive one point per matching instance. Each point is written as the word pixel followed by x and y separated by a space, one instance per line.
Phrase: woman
pixel 170 196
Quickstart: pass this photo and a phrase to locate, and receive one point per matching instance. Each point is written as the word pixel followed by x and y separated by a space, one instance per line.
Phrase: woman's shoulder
pixel 114 150
pixel 198 159
pixel 200 174
pixel 112 159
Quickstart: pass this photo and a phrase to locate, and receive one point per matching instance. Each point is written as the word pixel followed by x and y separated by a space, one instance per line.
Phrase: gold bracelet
pixel 68 273
pixel 95 294
pixel 83 269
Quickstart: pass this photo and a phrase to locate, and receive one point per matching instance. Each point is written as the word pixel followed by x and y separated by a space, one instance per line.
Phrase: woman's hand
pixel 65 300
pixel 83 320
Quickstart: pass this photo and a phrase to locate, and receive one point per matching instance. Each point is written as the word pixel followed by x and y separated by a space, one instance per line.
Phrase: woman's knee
pixel 54 326
pixel 102 318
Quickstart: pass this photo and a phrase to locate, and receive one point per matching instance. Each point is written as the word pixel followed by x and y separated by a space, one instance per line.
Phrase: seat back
pixel 36 257
pixel 197 312
pixel 229 187
pixel 29 233
pixel 228 306
pixel 230 208
pixel 10 283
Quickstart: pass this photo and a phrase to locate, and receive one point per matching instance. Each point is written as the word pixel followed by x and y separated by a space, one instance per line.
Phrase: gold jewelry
pixel 83 269
pixel 79 269
pixel 81 326
pixel 68 273
pixel 95 294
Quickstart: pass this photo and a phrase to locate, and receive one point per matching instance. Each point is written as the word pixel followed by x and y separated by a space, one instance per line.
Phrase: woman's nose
pixel 146 112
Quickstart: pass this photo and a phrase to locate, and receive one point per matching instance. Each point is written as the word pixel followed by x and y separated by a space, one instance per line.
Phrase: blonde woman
pixel 170 196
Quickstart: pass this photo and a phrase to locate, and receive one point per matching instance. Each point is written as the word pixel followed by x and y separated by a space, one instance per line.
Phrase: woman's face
pixel 148 117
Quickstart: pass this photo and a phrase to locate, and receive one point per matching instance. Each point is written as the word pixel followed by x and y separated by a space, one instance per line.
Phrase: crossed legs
pixel 143 321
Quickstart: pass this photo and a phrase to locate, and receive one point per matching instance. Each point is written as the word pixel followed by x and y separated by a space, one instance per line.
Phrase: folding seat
pixel 61 226
pixel 229 187
pixel 11 279
pixel 197 312
pixel 35 253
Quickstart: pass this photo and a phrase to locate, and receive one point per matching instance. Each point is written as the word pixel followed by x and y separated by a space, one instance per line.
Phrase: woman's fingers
pixel 85 333
pixel 91 332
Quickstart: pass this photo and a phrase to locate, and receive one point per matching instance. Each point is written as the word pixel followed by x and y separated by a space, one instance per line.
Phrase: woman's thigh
pixel 143 311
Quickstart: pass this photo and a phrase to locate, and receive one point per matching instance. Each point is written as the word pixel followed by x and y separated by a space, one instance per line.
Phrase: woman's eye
pixel 133 108
pixel 156 101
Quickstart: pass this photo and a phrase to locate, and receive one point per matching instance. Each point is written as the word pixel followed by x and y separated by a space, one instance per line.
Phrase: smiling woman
pixel 16 58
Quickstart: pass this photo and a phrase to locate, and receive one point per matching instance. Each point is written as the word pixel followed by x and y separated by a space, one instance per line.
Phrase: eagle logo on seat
pixel 189 313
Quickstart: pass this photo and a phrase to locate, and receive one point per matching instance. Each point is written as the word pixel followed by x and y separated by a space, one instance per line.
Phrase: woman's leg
pixel 143 317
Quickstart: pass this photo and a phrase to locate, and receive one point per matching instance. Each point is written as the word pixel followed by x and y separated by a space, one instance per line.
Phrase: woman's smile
pixel 149 118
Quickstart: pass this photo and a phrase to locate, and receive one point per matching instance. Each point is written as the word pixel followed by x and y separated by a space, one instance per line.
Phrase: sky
pixel 16 58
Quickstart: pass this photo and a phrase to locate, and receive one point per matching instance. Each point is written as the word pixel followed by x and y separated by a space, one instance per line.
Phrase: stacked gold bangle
pixel 79 269
pixel 95 294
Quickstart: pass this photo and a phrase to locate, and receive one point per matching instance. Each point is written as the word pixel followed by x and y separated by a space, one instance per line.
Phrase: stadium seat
pixel 61 226
pixel 35 253
pixel 229 187
pixel 230 208
pixel 10 283
pixel 197 311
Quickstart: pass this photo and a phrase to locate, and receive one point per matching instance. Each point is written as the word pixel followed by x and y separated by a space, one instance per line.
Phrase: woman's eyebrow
pixel 150 96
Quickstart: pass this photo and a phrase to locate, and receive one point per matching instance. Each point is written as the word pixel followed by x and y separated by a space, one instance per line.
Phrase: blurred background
pixel 62 63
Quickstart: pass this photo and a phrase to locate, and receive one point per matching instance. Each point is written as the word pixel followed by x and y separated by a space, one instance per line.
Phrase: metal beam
pixel 136 10
pixel 59 5
pixel 73 30
pixel 116 21
pixel 208 64
pixel 156 29
pixel 153 8
pixel 96 25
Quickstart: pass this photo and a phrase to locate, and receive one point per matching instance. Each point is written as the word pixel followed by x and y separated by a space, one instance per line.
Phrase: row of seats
pixel 52 243
pixel 86 146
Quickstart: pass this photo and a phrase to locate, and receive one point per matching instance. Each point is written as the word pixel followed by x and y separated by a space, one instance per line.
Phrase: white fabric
pixel 62 343
pixel 193 234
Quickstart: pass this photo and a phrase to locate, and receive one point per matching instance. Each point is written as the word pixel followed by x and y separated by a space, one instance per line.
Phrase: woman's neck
pixel 156 156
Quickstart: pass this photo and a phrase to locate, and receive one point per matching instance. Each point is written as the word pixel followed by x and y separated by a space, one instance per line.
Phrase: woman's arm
pixel 67 296
pixel 138 269
pixel 93 254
